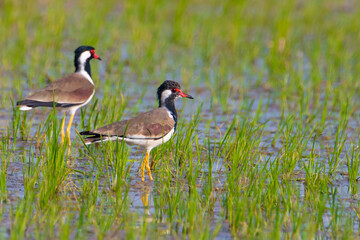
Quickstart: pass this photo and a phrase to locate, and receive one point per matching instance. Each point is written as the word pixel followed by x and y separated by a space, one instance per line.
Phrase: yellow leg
pixel 147 157
pixel 145 199
pixel 69 127
pixel 63 128
pixel 143 169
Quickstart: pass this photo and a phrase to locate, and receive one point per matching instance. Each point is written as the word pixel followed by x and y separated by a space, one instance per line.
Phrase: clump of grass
pixel 353 166
pixel 3 182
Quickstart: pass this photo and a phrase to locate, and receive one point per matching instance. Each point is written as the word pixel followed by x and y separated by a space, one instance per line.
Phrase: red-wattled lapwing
pixel 149 129
pixel 69 92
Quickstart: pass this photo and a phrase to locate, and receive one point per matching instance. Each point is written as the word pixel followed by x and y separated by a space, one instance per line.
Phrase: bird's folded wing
pixel 74 88
pixel 153 124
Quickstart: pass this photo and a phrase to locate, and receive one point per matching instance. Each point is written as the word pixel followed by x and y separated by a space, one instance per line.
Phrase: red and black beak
pixel 94 55
pixel 185 95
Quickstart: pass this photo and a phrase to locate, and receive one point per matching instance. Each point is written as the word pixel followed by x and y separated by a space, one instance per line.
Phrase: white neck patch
pixel 164 95
pixel 81 65
pixel 82 59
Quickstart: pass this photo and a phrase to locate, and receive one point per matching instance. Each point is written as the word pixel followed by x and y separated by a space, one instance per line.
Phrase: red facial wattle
pixel 181 93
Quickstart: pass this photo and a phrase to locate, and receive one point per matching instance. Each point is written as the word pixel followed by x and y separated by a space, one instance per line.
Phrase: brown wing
pixel 152 124
pixel 73 89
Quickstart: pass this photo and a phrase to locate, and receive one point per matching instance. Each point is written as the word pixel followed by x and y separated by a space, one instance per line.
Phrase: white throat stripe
pixel 83 57
pixel 164 95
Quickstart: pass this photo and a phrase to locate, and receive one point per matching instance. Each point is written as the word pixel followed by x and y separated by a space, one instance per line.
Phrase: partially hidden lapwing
pixel 147 130
pixel 69 92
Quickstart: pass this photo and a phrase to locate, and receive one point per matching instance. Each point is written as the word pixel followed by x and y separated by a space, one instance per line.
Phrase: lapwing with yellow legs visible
pixel 68 93
pixel 147 130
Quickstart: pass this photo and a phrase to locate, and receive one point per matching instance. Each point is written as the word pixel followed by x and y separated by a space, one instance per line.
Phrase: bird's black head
pixel 170 90
pixel 82 49
pixel 83 55
pixel 167 85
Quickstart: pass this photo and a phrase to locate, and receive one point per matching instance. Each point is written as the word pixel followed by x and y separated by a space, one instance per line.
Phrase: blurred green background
pixel 299 50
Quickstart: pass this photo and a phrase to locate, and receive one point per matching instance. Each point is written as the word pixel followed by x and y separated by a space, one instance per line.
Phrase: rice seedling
pixel 3 170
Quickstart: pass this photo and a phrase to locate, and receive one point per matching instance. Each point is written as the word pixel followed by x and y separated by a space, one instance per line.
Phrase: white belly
pixel 146 143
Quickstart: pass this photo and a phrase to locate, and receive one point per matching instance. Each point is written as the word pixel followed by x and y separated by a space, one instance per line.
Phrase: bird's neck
pixel 169 104
pixel 83 66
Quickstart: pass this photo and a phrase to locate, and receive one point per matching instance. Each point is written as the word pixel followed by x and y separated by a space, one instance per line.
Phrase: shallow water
pixel 141 195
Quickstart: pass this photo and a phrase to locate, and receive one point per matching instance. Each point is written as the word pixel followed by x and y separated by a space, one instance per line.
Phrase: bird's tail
pixel 93 137
pixel 23 105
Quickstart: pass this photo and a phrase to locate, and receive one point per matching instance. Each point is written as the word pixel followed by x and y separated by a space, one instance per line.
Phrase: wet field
pixel 268 148
pixel 303 159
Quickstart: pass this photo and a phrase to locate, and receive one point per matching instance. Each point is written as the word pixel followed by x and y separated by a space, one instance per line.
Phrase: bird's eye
pixel 92 51
pixel 174 90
